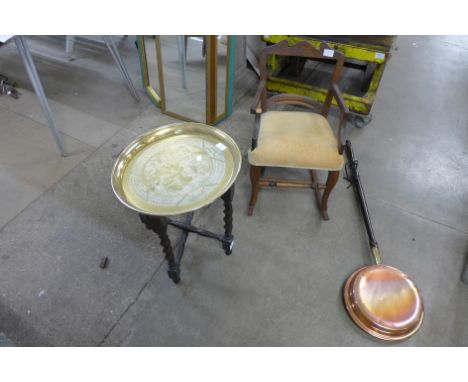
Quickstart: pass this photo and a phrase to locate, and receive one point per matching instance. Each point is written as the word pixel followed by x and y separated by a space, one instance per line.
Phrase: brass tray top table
pixel 177 169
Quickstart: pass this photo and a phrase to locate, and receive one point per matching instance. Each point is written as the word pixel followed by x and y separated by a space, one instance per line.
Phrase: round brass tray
pixel 176 169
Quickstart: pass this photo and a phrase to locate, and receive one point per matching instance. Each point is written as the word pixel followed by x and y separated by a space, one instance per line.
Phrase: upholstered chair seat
pixel 296 139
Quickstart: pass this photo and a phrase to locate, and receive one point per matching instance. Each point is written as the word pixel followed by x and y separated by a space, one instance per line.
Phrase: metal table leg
pixel 69 45
pixel 123 69
pixel 37 85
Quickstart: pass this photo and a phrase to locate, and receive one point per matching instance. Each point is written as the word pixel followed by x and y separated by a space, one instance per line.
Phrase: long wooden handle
pixel 356 181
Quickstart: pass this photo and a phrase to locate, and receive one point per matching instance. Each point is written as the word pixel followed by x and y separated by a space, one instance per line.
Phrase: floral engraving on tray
pixel 177 172
pixel 176 168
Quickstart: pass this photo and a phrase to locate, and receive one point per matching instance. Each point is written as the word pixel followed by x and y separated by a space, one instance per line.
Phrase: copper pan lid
pixel 384 302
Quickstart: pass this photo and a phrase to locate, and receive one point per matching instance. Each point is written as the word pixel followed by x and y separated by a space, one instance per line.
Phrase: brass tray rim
pixel 208 130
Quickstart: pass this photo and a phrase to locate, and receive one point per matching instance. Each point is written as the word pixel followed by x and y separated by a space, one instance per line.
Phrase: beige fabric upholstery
pixel 296 139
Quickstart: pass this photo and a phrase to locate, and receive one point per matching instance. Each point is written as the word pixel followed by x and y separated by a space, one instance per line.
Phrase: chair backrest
pixel 305 50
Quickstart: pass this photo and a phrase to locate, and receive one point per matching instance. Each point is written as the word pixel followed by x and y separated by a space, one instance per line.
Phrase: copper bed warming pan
pixel 382 300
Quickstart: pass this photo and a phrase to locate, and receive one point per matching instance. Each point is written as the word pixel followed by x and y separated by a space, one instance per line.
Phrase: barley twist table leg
pixel 228 212
pixel 158 224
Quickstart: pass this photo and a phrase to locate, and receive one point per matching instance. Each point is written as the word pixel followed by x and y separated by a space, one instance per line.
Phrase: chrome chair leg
pixel 122 67
pixel 69 45
pixel 37 85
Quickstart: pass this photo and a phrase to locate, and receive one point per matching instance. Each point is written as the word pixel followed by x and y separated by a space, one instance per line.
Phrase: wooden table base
pixel 158 224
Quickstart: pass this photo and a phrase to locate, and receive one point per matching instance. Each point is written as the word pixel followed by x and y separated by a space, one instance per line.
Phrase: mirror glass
pixel 183 75
pixel 189 77
pixel 152 63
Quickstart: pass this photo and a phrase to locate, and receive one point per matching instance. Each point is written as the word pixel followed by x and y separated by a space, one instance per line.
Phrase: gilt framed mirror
pixel 190 78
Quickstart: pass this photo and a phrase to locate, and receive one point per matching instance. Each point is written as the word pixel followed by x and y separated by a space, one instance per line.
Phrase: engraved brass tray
pixel 176 169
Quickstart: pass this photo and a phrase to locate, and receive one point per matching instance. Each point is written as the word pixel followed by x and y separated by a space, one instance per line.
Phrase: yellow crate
pixel 368 49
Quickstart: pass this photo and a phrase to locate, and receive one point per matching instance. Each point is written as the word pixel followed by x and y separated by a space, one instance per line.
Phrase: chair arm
pixel 256 130
pixel 256 107
pixel 344 111
pixel 339 98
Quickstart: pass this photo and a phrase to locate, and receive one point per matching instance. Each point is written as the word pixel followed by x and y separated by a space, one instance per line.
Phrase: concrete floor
pixel 282 284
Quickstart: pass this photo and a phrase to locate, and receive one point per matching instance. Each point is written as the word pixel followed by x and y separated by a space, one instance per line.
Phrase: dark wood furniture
pixel 332 146
pixel 159 225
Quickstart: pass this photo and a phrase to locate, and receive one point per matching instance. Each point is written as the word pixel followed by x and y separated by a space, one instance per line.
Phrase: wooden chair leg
pixel 332 179
pixel 255 172
pixel 317 192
